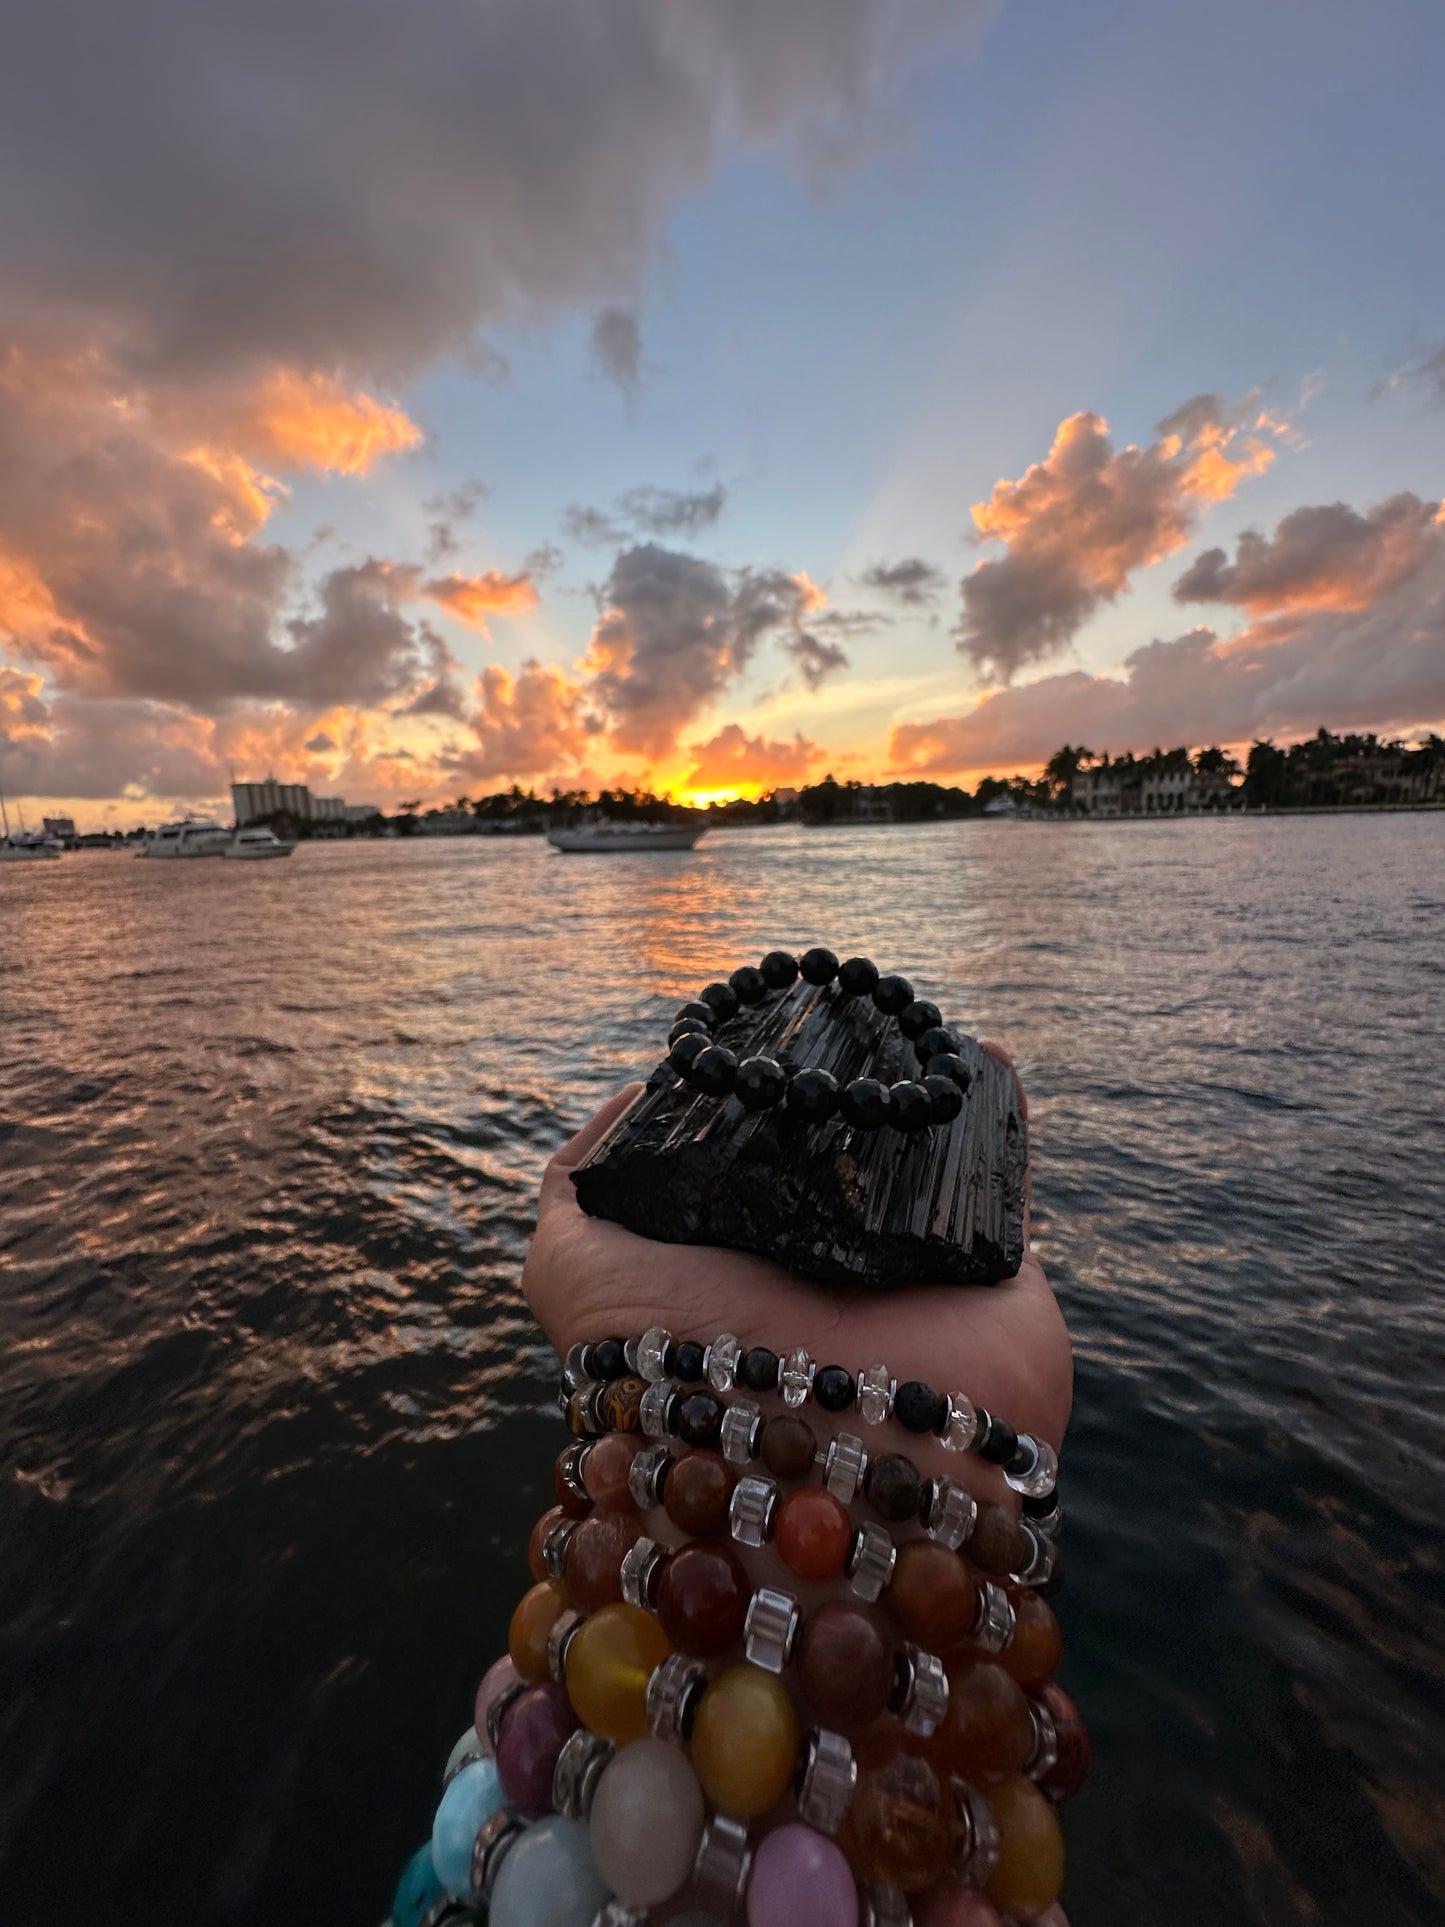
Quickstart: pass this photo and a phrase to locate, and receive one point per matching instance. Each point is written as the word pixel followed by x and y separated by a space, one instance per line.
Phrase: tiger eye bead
pixel 531 1623
pixel 702 1599
pixel 1030 1868
pixel 581 1413
pixel 1075 1753
pixel 845 1665
pixel 610 1659
pixel 1032 1656
pixel 900 1828
pixel 606 1470
pixel 932 1596
pixel 986 1733
pixel 622 1404
pixel 592 1565
pixel 997 1545
pixel 813 1533
pixel 790 1446
pixel 745 1741
pixel 698 1490
pixel 699 1419
pixel 536 1564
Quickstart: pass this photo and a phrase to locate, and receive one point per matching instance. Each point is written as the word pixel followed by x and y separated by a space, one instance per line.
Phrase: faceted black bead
pixel 704 1013
pixel 893 1486
pixel 689 1362
pixel 699 1419
pixel 761 1083
pixel 758 1369
pixel 686 1051
pixel 919 1017
pixel 779 970
pixel 918 1407
pixel 997 1441
pixel 945 1064
pixel 935 1040
pixel 833 1388
pixel 713 1071
pixel 687 1027
pixel 818 966
pixel 609 1359
pixel 945 1099
pixel 749 984
pixel 912 1106
pixel 893 995
pixel 813 1095
pixel 722 1000
pixel 866 1102
pixel 857 977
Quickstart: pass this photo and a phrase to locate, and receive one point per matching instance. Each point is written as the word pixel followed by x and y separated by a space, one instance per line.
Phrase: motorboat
pixel 256 845
pixel 187 838
pixel 610 838
pixel 24 846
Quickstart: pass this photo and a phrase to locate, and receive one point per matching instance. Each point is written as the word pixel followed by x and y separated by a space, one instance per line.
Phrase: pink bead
pixel 499 1677
pixel 800 1879
pixel 953 1906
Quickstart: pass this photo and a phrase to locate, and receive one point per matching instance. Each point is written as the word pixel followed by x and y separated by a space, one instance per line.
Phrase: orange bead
pixel 592 1564
pixel 745 1741
pixel 986 1733
pixel 609 1662
pixel 1032 1656
pixel 1030 1868
pixel 932 1596
pixel 900 1828
pixel 813 1533
pixel 531 1623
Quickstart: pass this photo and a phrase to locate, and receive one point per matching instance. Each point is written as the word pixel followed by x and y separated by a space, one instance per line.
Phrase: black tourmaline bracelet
pixel 815 1095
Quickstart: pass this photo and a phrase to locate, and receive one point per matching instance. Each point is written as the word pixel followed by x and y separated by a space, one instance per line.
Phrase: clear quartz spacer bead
pixel 795 1380
pixel 500 1707
pixel 1038 1568
pixel 827 1781
pixel 871 1560
pixel 564 1631
pixel 720 1871
pixel 875 1395
pixel 884 1907
pixel 673 1692
pixel 555 1544
pixel 950 1512
pixel 921 1700
pixel 617 1913
pixel 495 1839
pixel 1045 1754
pixel 652 1354
pixel 631 1350
pixel 976 1856
pixel 720 1362
pixel 642 1570
pixel 771 1629
pixel 742 1431
pixel 657 1408
pixel 960 1427
pixel 844 1466
pixel 647 1476
pixel 580 1765
pixel 994 1626
pixel 572 1462
pixel 1042 1476
pixel 752 1510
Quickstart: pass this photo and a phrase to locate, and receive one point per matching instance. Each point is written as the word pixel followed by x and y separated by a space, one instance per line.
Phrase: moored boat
pixel 599 838
pixel 186 838
pixel 24 846
pixel 256 845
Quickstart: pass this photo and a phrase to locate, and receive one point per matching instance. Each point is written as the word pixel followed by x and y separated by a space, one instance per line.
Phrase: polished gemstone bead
pixel 549 1879
pixel 759 1369
pixel 985 1734
pixel 779 970
pixel 1032 1656
pixel 610 1660
pixel 575 1370
pixel 749 984
pixel 960 1424
pixel 580 1765
pixel 771 1629
pixel 608 1468
pixel 741 1434
pixel 687 1027
pixel 870 1561
pixel 945 1063
pixel 936 1042
pixel 536 1543
pixel 703 1012
pixel 1073 1753
pixel 659 1403
pixel 1030 1869
pixel 899 1829
pixel 472 1798
pixel 800 1879
pixel 845 1664
pixel 721 1361
pixel 954 1905
pixel 813 1533
pixel 761 1082
pixel 945 1099
pixel 932 1596
pixel 948 1512
pixel 857 976
pixel 684 1051
pixel 722 1000
pixel 470 1746
pixel 569 1488
pixel 745 1741
pixel 910 1107
pixel 833 1388
pixel 688 1366
pixel 818 966
pixel 582 1419
pixel 714 1071
pixel 531 1623
pixel 642 1571
pixel 621 1403
pixel 875 1395
pixel 652 1353
pixel 997 1543
pixel 845 1467
pixel 609 1358
pixel 827 1781
pixel 699 1419
pixel 920 1691
pixel 702 1599
pixel 673 1694
pixel 1034 1468
pixel 789 1446
pixel 697 1493
pixel 531 1738
pixel 813 1095
pixel 647 1819
pixel 753 1510
pixel 880 1741
pixel 796 1377
pixel 592 1565
pixel 499 1677
pixel 417 1891
pixel 892 995
pixel 997 1441
pixel 866 1103
pixel 918 1408
pixel 918 1017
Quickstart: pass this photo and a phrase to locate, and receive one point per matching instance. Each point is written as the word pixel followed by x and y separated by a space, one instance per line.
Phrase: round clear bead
pixel 741 1432
pixel 771 1629
pixel 657 1403
pixel 795 1381
pixel 844 1466
pixel 827 1783
pixel 950 1513
pixel 1042 1476
pixel 875 1395
pixel 960 1428
pixel 652 1354
pixel 720 1362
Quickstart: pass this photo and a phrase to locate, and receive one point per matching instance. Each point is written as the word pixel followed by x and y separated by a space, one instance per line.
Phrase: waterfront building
pixel 61 829
pixel 255 802
pixel 1170 787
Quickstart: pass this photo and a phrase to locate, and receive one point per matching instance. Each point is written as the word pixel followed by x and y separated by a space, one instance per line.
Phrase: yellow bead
pixel 745 1741
pixel 531 1623
pixel 609 1662
pixel 1030 1868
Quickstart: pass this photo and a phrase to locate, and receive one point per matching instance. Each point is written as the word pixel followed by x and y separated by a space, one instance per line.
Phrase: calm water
pixel 272 1422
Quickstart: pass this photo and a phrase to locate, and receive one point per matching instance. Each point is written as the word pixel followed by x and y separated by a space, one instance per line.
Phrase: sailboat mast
pixel 4 816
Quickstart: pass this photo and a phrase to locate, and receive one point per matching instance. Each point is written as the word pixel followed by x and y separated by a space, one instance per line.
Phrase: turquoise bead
pixel 468 1748
pixel 417 1890
pixel 468 1803
pixel 548 1879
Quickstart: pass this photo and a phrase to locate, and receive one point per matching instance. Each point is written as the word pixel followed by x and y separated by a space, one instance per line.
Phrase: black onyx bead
pixel 833 1388
pixel 813 1095
pixel 699 1419
pixel 857 977
pixel 687 1049
pixel 912 1107
pixel 997 1441
pixel 687 1027
pixel 945 1099
pixel 704 1013
pixel 779 970
pixel 866 1102
pixel 893 995
pixel 934 1040
pixel 689 1362
pixel 722 1001
pixel 818 966
pixel 714 1071
pixel 609 1359
pixel 946 1064
pixel 893 1486
pixel 919 1017
pixel 759 1370
pixel 761 1083
pixel 749 984
pixel 918 1407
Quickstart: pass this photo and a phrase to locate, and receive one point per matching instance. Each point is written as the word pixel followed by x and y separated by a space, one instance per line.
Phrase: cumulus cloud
pixel 734 760
pixel 1324 557
pixel 447 510
pixel 615 345
pixel 537 723
pixel 815 658
pixel 911 580
pixel 646 511
pixel 1077 525
pixel 472 598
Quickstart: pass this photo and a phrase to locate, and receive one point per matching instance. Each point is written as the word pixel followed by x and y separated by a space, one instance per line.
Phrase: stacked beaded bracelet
pixel 814 1095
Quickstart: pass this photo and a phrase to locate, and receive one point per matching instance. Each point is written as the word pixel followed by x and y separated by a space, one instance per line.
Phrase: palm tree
pixel 1061 769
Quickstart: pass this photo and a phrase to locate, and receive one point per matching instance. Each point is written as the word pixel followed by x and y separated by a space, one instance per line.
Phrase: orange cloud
pixel 733 760
pixel 537 723
pixel 303 419
pixel 472 598
pixel 1321 557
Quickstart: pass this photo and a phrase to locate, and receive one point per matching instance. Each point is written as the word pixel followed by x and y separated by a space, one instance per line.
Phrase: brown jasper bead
pixel 622 1404
pixel 986 1734
pixel 1032 1656
pixel 702 1599
pixel 536 1565
pixel 574 1504
pixel 845 1665
pixel 592 1568
pixel 579 1414
pixel 900 1828
pixel 996 1545
pixel 606 1469
pixel 893 1486
pixel 1076 1755
pixel 877 1743
pixel 697 1493
pixel 932 1596
pixel 790 1446
pixel 699 1419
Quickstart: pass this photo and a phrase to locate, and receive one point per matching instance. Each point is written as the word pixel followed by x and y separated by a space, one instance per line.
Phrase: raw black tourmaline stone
pixel 689 1362
pixel 919 1017
pixel 998 1441
pixel 609 1360
pixel 912 1108
pixel 759 1369
pixel 918 1407
pixel 688 1048
pixel 945 1099
pixel 935 1040
pixel 699 1419
pixel 893 1486
pixel 722 1000
pixel 749 984
pixel 857 977
pixel 819 966
pixel 893 995
pixel 866 1102
pixel 760 1084
pixel 714 1071
pixel 779 970
pixel 833 1388
pixel 813 1095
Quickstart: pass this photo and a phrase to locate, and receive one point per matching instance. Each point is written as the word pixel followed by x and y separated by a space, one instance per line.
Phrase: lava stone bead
pixel 699 1419
pixel 686 1050
pixel 704 1013
pixel 761 1082
pixel 912 1108
pixel 918 1407
pixel 722 1000
pixel 866 1102
pixel 833 1388
pixel 609 1358
pixel 779 970
pixel 714 1071
pixel 930 1043
pixel 857 976
pixel 845 1665
pixel 998 1442
pixel 945 1099
pixel 688 1364
pixel 748 984
pixel 918 1017
pixel 813 1095
pixel 698 1492
pixel 759 1369
pixel 790 1446
pixel 818 966
pixel 893 1485
pixel 948 1064
pixel 892 995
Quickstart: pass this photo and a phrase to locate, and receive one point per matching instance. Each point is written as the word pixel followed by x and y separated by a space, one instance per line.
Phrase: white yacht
pixel 256 845
pixel 612 837
pixel 24 846
pixel 187 838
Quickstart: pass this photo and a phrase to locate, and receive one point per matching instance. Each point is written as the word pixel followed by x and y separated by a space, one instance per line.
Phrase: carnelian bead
pixel 702 1599
pixel 986 1733
pixel 812 1533
pixel 536 1565
pixel 932 1595
pixel 745 1741
pixel 531 1623
pixel 996 1545
pixel 1032 1656
pixel 900 1828
pixel 610 1659
pixel 1030 1868
pixel 622 1404
pixel 592 1563
pixel 605 1470
pixel 697 1493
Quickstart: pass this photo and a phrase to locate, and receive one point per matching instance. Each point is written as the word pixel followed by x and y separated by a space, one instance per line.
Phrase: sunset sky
pixel 709 393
